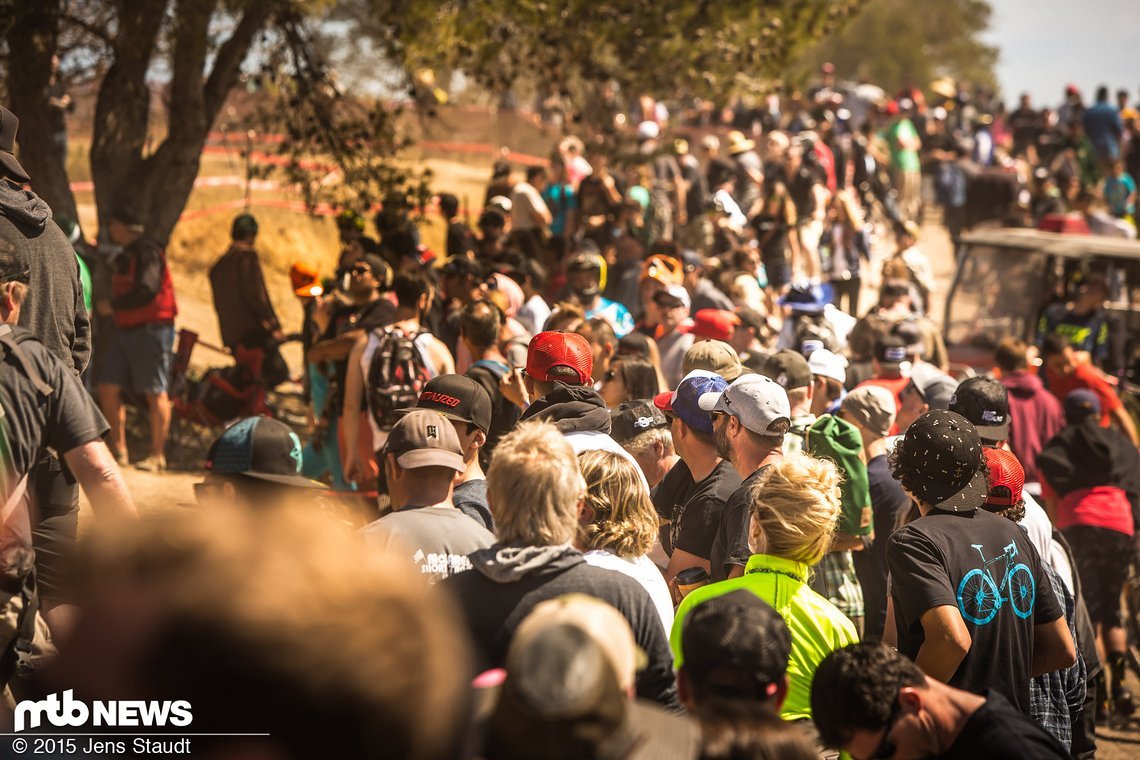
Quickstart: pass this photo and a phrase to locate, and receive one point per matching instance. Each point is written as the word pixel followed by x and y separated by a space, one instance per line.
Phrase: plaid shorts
pixel 834 579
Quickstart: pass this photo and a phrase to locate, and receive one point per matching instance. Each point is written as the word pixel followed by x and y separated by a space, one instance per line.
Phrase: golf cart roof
pixel 1055 243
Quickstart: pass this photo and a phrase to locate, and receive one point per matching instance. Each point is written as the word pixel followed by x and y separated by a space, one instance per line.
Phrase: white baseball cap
pixel 648 130
pixel 755 400
pixel 828 364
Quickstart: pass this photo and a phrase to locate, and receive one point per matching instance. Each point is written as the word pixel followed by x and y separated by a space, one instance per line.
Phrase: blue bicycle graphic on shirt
pixel 981 594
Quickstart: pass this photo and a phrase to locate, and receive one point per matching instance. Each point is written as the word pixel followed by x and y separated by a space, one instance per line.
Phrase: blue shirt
pixel 561 200
pixel 617 315
pixel 1116 192
pixel 1103 126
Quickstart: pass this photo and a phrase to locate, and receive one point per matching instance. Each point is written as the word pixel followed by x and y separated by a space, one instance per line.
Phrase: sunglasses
pixel 362 269
pixel 887 748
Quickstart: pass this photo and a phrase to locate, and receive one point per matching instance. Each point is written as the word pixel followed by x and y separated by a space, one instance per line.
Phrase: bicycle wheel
pixel 1022 590
pixel 978 597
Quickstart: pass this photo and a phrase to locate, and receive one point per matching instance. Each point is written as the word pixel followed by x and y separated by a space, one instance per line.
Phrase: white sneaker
pixel 152 464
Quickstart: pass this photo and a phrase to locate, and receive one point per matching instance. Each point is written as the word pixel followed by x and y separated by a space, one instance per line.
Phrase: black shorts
pixel 1102 557
pixel 56 496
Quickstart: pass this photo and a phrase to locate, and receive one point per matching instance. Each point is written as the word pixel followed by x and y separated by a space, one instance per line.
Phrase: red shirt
pixel 895 385
pixel 1100 507
pixel 1085 377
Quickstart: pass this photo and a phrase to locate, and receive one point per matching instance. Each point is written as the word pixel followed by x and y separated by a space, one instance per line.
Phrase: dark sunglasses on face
pixel 362 269
pixel 886 748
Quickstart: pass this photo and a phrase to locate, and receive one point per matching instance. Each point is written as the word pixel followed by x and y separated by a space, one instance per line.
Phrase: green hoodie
pixel 835 439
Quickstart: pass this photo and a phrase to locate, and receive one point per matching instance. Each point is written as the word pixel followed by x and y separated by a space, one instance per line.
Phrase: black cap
pixel 633 418
pixel 910 333
pixel 262 448
pixel 8 126
pixel 1080 405
pixel 984 402
pixel 127 215
pixel 457 397
pixel 379 268
pixel 461 266
pixel 943 456
pixel 244 226
pixel 735 646
pixel 892 349
pixel 789 369
pixel 14 266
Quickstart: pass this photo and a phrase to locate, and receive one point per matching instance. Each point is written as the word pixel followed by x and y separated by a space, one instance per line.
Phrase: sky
pixel 1046 44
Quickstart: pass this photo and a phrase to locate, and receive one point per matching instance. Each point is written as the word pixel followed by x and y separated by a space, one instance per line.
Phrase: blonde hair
pixel 533 486
pixel 796 503
pixel 625 521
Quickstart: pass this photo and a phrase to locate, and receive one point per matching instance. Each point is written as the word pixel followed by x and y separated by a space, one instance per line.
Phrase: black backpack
pixel 396 375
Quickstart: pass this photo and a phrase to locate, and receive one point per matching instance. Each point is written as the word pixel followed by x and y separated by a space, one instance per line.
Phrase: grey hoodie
pixel 54 310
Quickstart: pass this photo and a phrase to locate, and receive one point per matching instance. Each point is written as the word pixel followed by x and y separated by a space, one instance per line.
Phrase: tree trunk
pixel 159 185
pixel 32 43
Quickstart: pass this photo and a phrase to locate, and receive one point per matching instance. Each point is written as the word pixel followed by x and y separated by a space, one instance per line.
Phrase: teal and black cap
pixel 262 448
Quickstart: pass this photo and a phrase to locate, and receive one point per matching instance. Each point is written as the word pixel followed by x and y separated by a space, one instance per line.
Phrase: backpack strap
pixel 10 341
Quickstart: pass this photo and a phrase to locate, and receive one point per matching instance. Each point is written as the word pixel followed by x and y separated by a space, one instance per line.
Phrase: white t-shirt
pixel 533 314
pixel 644 572
pixel 525 201
pixel 1040 530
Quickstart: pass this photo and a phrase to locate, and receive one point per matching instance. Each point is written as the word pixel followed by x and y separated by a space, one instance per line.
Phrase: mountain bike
pixel 981 594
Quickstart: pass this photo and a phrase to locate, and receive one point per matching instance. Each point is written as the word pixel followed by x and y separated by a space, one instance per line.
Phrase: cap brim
pixel 664 401
pixel 448 414
pixel 969 498
pixel 993 433
pixel 294 481
pixel 712 402
pixel 410 460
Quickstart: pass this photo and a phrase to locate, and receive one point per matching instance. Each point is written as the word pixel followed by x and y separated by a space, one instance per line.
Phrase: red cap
pixel 548 350
pixel 714 324
pixel 1006 479
pixel 892 108
pixel 664 401
pixel 1072 90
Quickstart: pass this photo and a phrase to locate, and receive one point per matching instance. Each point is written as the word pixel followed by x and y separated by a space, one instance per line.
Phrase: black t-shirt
pixel 1025 123
pixel 695 520
pixel 64 420
pixel 801 188
pixel 672 492
pixel 997 731
pixel 888 500
pixel 986 567
pixel 719 170
pixel 730 547
pixel 504 414
pixel 772 234
pixel 593 198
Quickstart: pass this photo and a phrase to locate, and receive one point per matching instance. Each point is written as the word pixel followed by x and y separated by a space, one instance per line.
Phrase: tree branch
pixel 227 63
